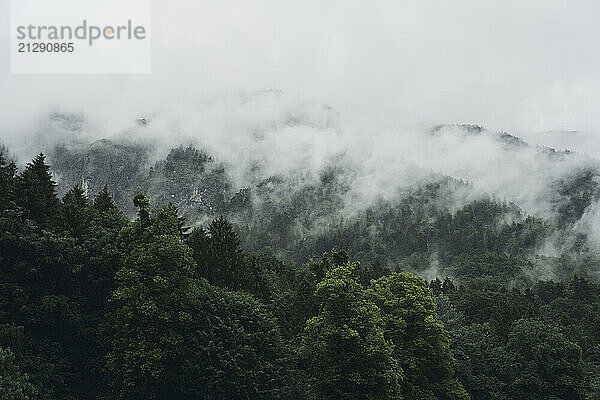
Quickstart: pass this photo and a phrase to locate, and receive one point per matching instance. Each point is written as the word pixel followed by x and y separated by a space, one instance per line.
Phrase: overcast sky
pixel 522 66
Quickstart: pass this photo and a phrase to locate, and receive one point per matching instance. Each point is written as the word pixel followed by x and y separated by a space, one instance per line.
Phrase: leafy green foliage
pixel 146 326
pixel 421 344
pixel 344 347
pixel 542 363
pixel 173 335
pixel 532 343
pixel 13 384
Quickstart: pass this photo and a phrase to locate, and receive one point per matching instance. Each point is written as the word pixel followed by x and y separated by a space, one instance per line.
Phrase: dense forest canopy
pixel 300 199
pixel 168 282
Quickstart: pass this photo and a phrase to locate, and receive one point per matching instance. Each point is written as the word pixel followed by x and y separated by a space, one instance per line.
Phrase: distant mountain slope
pixel 427 225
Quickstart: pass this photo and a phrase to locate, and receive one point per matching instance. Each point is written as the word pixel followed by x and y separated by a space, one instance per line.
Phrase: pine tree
pixel 8 172
pixel 436 286
pixel 219 257
pixel 74 211
pixel 103 201
pixel 37 192
pixel 222 233
pixel 199 241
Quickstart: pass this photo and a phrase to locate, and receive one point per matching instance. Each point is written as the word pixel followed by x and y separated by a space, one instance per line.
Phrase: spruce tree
pixel 74 212
pixel 37 192
pixel 103 201
pixel 8 171
pixel 199 241
pixel 219 256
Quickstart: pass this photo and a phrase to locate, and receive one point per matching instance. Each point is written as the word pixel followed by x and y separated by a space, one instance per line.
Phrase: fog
pixel 524 67
pixel 297 84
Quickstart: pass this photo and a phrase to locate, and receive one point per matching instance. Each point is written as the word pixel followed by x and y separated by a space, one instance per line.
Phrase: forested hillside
pixel 418 219
pixel 282 302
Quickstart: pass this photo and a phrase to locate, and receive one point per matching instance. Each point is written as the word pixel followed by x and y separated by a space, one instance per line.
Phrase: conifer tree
pixel 74 211
pixel 199 241
pixel 219 256
pixel 183 230
pixel 103 201
pixel 37 192
pixel 8 171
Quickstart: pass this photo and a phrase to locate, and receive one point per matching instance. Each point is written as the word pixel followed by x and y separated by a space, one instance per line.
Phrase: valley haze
pixel 307 199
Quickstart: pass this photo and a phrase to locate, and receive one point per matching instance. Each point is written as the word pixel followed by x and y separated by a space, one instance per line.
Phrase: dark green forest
pixel 125 295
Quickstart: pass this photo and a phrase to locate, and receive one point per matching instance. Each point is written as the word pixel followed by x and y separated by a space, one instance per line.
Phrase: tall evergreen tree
pixel 219 256
pixel 8 172
pixel 37 192
pixel 74 212
pixel 225 239
pixel 199 241
pixel 183 230
pixel 103 201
